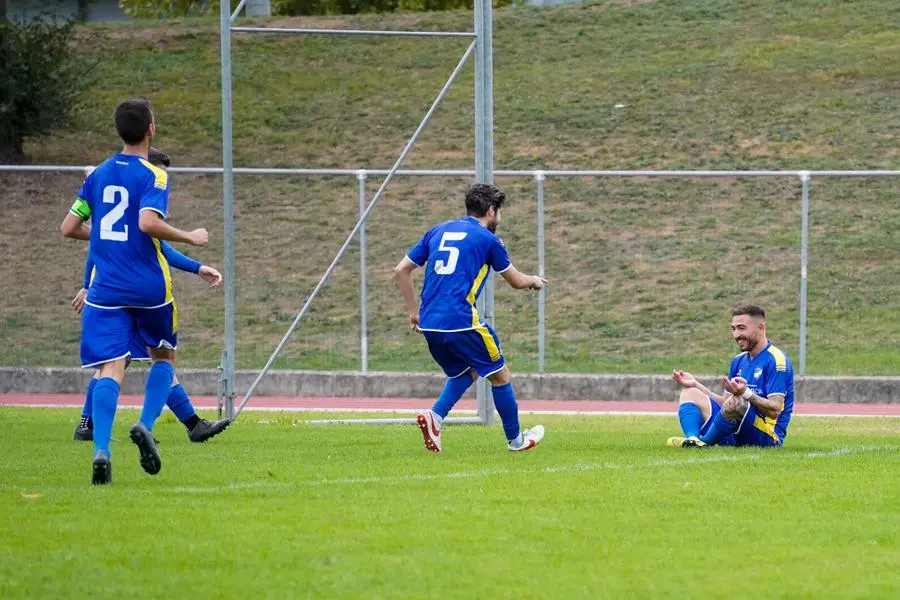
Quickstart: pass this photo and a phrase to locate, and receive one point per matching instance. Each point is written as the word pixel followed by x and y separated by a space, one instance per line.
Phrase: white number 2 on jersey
pixel 115 215
pixel 447 268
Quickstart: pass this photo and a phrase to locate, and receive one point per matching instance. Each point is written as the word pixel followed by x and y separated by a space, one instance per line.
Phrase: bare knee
pixel 693 396
pixel 162 354
pixel 114 370
pixel 501 377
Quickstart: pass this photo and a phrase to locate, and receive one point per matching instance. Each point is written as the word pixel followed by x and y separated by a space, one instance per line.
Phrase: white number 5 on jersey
pixel 115 215
pixel 447 268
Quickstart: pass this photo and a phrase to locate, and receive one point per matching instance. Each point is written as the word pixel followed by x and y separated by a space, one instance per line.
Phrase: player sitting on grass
pixel 199 430
pixel 458 257
pixel 130 299
pixel 759 393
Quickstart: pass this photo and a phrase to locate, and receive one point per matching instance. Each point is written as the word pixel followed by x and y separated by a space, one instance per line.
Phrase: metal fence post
pixel 484 164
pixel 363 282
pixel 539 177
pixel 804 263
pixel 227 207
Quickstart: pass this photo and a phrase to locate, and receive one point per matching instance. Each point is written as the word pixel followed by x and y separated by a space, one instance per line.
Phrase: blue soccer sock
pixel 452 392
pixel 105 400
pixel 720 429
pixel 156 391
pixel 505 402
pixel 180 404
pixel 691 419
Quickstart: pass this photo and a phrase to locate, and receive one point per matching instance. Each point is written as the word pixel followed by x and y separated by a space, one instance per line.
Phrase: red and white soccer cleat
pixel 532 437
pixel 431 430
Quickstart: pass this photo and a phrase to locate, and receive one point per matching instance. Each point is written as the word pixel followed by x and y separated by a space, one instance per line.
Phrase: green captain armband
pixel 81 209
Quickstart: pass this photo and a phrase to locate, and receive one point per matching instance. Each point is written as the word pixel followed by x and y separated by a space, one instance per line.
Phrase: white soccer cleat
pixel 532 437
pixel 431 430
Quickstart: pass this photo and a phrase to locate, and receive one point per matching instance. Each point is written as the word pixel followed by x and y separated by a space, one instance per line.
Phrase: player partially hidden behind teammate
pixel 458 257
pixel 759 393
pixel 199 430
pixel 130 298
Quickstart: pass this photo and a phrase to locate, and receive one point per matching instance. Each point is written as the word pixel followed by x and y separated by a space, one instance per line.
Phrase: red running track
pixel 414 404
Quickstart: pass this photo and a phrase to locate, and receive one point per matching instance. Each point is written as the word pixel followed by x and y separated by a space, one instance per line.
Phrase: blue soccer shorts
pixel 457 352
pixel 108 334
pixel 753 430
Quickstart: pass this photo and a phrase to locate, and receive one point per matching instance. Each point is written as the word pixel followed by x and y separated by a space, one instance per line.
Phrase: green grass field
pixel 642 271
pixel 277 508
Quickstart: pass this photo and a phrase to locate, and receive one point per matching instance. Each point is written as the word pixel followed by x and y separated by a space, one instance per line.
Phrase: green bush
pixel 40 81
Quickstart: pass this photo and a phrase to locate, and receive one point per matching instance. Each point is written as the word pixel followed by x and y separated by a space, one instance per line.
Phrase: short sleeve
pixel 777 379
pixel 498 258
pixel 81 208
pixel 418 254
pixel 155 194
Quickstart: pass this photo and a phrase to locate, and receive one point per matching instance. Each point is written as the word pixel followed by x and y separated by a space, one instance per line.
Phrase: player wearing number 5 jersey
pixel 458 257
pixel 130 300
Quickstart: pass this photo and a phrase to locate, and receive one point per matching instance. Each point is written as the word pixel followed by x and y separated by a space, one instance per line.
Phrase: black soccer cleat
pixel 143 439
pixel 102 474
pixel 83 434
pixel 205 430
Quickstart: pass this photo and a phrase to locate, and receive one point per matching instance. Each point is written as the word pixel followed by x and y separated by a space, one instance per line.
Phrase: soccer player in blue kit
pixel 458 257
pixel 130 298
pixel 756 408
pixel 199 430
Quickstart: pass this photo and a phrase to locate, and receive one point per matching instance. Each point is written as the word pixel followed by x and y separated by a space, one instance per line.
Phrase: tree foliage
pixel 40 81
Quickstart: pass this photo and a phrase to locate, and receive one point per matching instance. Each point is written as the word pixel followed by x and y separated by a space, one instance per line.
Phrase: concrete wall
pixel 876 390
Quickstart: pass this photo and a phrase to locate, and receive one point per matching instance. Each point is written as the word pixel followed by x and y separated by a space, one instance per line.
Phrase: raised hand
pixel 684 379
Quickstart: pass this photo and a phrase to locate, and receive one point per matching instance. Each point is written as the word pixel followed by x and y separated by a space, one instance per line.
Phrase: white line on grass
pixel 576 468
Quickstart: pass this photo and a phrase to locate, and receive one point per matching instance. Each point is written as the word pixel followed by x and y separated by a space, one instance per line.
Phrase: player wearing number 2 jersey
pixel 458 257
pixel 130 300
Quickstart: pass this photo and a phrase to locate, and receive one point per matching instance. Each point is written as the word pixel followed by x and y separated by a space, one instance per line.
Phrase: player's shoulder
pixel 158 176
pixel 738 357
pixel 778 357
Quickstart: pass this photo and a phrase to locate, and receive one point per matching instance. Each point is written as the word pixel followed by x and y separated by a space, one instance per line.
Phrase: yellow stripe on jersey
pixel 162 178
pixel 174 317
pixel 164 265
pixel 93 274
pixel 766 426
pixel 780 358
pixel 471 297
pixel 489 343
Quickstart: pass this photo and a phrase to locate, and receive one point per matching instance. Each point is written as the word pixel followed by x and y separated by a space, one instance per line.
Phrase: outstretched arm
pixel 403 274
pixel 520 281
pixel 153 224
pixel 183 262
pixel 687 381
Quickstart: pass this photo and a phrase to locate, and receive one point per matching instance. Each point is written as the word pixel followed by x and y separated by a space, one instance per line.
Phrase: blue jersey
pixel 131 268
pixel 769 372
pixel 457 256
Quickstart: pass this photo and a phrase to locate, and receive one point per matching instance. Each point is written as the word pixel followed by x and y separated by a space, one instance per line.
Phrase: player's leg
pixel 755 429
pixel 459 379
pixel 105 338
pixel 84 432
pixel 725 422
pixel 481 346
pixel 199 430
pixel 157 330
pixel 695 409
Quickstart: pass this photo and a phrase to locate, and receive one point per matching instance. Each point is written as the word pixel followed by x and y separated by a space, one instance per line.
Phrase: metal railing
pixel 539 176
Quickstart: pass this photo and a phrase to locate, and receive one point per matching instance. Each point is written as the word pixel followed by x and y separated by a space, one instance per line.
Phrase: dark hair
pixel 481 196
pixel 749 309
pixel 133 118
pixel 158 157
